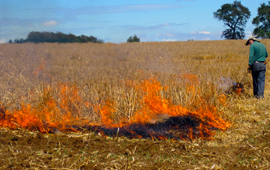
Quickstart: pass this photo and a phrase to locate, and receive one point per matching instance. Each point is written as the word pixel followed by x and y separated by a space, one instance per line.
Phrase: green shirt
pixel 257 52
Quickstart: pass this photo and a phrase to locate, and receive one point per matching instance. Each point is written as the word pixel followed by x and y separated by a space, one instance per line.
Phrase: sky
pixel 116 20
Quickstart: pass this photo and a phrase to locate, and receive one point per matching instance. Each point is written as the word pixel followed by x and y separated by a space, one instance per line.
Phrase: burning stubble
pixel 60 111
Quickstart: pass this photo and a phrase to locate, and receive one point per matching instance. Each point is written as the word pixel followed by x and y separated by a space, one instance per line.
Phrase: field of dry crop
pixel 149 105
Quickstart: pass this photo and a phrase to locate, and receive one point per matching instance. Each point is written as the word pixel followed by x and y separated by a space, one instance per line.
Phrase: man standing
pixel 257 65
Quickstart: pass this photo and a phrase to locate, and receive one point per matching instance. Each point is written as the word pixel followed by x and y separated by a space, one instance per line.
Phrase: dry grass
pixel 100 71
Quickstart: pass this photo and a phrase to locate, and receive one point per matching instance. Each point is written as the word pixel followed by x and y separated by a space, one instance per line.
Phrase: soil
pixel 22 149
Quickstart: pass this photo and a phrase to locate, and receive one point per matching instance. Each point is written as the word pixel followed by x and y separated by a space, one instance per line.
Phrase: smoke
pixel 225 83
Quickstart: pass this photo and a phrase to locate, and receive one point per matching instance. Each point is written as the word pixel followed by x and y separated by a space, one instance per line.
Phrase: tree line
pixel 41 37
pixel 235 17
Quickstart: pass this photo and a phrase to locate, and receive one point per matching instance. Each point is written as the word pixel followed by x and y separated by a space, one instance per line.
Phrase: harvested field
pixel 152 105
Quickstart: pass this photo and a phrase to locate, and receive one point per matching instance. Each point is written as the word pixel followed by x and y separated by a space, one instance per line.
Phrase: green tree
pixel 234 16
pixel 133 39
pixel 19 40
pixel 35 37
pixel 262 22
pixel 40 37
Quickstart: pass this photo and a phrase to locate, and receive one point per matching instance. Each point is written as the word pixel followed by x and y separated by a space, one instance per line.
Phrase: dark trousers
pixel 258 76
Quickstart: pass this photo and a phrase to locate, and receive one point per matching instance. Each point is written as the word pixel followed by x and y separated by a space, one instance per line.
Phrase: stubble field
pixel 97 106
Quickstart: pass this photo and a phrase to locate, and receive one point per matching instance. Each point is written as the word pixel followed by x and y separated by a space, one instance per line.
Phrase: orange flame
pixel 64 112
pixel 47 116
pixel 238 89
pixel 154 104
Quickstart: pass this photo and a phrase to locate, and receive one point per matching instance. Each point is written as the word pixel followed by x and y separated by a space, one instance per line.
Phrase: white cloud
pixel 50 23
pixel 204 32
pixel 2 41
pixel 143 7
pixel 169 35
pixel 248 34
pixel 151 28
pixel 200 32
pixel 168 40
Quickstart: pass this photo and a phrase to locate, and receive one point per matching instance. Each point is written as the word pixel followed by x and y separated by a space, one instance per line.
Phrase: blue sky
pixel 116 20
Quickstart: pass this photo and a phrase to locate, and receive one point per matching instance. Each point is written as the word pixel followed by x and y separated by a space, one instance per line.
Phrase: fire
pixel 61 111
pixel 47 116
pixel 238 88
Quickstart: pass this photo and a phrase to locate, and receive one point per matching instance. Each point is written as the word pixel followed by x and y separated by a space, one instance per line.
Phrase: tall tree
pixel 262 21
pixel 234 16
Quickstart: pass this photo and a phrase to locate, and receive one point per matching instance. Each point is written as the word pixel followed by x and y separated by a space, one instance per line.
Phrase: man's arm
pixel 265 56
pixel 251 55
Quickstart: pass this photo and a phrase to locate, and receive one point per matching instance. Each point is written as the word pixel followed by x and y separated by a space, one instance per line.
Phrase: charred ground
pixel 175 128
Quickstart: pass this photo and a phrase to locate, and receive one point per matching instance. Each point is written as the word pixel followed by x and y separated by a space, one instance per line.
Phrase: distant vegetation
pixel 234 16
pixel 262 22
pixel 133 39
pixel 41 37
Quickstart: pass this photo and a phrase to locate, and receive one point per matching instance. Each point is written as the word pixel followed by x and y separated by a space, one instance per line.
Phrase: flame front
pixel 183 123
pixel 62 112
pixel 48 116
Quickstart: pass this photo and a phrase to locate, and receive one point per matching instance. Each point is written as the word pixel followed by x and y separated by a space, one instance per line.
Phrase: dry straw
pixel 101 73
